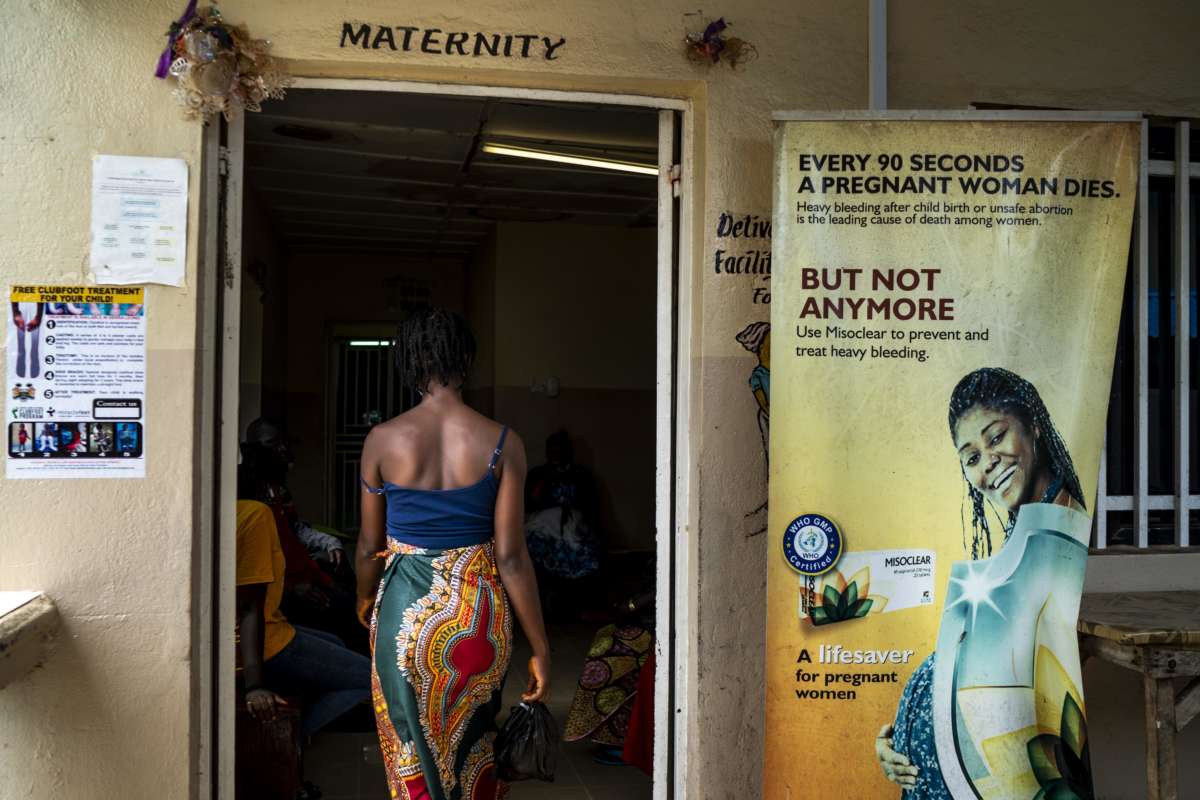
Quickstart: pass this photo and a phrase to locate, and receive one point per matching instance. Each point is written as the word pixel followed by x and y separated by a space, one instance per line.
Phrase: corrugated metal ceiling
pixel 349 171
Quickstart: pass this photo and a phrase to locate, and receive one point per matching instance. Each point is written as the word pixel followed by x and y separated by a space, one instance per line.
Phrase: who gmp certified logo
pixel 812 544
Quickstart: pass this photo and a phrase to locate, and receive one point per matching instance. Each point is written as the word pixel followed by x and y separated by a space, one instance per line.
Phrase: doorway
pixel 288 164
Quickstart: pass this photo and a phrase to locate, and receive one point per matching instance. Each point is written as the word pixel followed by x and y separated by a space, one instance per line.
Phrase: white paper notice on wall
pixel 139 219
pixel 75 385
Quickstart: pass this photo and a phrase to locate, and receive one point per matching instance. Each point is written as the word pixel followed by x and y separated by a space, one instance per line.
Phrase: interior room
pixel 537 222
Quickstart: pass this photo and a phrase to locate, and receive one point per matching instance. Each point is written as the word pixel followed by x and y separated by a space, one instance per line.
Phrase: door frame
pixel 217 434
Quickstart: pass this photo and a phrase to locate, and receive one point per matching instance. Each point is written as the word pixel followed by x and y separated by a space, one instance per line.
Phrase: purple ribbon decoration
pixel 712 43
pixel 168 55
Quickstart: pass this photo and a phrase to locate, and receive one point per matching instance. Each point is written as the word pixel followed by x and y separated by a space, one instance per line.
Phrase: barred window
pixel 1149 491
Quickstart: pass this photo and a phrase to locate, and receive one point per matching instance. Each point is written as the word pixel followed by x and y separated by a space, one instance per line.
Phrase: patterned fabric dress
pixel 608 685
pixel 913 735
pixel 441 639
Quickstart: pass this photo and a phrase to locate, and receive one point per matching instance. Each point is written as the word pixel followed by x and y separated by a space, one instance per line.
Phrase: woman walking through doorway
pixel 441 553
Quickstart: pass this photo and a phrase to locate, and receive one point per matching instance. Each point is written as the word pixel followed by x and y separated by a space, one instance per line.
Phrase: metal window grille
pixel 366 391
pixel 1149 487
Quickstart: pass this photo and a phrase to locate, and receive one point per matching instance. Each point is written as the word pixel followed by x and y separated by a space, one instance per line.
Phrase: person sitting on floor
pixel 279 658
pixel 560 506
pixel 559 503
pixel 618 668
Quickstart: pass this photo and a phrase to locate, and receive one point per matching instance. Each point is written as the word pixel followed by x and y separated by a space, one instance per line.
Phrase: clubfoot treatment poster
pixel 945 311
pixel 76 382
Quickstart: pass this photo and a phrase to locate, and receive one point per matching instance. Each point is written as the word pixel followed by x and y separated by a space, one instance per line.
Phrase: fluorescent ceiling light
pixel 369 343
pixel 568 158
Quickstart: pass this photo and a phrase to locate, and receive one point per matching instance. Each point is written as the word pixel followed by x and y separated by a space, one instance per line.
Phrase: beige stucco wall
pixel 576 302
pixel 114 555
pixel 108 717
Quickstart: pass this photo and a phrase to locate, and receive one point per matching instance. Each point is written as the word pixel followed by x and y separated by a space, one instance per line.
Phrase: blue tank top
pixel 439 519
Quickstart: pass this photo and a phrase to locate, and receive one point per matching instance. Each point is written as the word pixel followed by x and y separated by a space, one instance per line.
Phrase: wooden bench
pixel 1158 635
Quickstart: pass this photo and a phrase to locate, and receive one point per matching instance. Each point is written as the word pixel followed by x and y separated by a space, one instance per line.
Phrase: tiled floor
pixel 347 766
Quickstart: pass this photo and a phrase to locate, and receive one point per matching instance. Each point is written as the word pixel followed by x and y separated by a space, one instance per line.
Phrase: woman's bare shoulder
pixel 478 422
pixel 398 430
pixel 514 442
pixel 414 428
pixel 514 452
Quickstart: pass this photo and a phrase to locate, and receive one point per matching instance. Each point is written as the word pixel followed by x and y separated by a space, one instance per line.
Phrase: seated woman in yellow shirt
pixel 276 655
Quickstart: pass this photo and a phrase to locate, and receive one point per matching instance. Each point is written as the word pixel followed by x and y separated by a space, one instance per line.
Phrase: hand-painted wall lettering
pixel 436 41
pixel 751 257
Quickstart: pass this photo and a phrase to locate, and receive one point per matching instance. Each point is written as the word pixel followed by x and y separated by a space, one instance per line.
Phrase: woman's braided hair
pixel 1001 390
pixel 434 345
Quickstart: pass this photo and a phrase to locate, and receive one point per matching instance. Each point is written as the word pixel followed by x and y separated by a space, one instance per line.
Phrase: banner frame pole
pixel 1141 359
pixel 877 79
pixel 1183 330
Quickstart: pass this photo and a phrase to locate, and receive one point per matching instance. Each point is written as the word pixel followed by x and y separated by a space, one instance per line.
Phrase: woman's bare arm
pixel 372 534
pixel 763 403
pixel 516 568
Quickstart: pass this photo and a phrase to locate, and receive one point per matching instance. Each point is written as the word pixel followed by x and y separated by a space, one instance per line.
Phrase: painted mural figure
pixel 756 337
pixel 1014 462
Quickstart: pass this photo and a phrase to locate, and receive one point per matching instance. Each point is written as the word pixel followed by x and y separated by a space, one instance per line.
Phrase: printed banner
pixel 945 310
pixel 77 372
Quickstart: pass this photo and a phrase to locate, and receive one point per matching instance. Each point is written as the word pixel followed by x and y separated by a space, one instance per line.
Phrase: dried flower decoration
pixel 218 67
pixel 713 46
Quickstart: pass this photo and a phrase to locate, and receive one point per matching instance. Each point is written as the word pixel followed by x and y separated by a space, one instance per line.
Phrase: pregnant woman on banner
pixel 1011 455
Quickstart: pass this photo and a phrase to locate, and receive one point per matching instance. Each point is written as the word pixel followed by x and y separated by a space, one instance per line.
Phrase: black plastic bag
pixel 527 746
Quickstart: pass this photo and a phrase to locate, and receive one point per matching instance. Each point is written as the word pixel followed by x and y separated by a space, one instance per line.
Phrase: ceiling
pixel 404 174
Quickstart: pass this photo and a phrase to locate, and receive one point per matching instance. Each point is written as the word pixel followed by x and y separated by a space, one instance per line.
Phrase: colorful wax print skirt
pixel 441 639
pixel 608 685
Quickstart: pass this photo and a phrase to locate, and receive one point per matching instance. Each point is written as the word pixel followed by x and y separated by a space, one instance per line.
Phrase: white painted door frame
pixel 218 433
